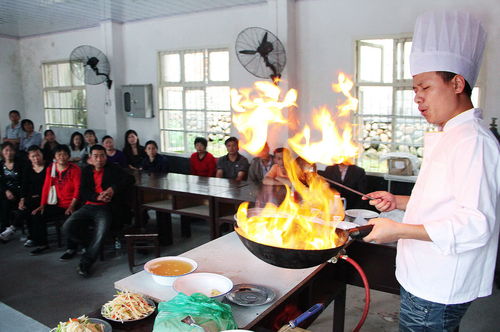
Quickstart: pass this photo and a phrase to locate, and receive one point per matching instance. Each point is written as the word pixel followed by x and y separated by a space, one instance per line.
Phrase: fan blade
pixel 270 66
pixel 264 40
pixel 250 52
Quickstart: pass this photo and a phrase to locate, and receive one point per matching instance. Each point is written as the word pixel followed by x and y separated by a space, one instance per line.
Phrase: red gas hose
pixel 367 291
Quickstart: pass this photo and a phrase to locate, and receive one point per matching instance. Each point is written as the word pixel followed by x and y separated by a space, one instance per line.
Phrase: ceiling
pixel 23 18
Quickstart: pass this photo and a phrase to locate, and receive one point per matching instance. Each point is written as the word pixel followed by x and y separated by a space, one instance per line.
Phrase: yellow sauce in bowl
pixel 170 267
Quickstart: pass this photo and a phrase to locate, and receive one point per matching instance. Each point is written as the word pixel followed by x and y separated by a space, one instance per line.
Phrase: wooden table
pixel 187 195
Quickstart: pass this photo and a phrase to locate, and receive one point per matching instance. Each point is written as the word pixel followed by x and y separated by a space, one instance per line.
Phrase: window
pixel 387 119
pixel 194 99
pixel 63 96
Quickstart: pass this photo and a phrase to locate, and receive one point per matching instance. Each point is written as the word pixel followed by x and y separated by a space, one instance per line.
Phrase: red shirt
pixel 203 167
pixel 98 185
pixel 67 185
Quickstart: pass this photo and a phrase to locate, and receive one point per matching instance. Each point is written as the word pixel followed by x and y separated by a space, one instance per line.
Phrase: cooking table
pixel 222 196
pixel 241 267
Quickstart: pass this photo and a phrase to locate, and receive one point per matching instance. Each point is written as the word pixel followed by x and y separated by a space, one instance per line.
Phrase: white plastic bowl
pixel 204 283
pixel 360 216
pixel 168 280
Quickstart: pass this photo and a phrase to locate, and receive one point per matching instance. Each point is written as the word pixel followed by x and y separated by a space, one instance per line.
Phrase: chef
pixel 447 242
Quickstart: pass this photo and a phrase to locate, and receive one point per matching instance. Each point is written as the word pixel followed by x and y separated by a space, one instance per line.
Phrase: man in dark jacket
pixel 351 176
pixel 101 182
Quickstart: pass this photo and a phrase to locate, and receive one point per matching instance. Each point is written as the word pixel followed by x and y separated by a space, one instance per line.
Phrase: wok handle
pixel 360 232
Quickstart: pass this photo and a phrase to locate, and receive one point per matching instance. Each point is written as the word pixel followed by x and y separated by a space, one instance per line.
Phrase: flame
pixel 334 148
pixel 345 85
pixel 254 114
pixel 297 225
pixel 307 217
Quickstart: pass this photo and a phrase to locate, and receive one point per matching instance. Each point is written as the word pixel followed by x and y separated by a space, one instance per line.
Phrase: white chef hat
pixel 448 41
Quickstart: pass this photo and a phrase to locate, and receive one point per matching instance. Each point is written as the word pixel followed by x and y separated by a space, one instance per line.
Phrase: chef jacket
pixel 456 199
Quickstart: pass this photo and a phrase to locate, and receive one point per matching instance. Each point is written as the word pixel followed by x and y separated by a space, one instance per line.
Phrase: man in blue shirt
pixel 13 131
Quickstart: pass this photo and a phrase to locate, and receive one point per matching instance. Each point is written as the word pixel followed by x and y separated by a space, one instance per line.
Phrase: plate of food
pixel 127 307
pixel 83 323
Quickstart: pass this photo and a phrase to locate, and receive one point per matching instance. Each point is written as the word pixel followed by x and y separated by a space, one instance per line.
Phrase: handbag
pixel 52 198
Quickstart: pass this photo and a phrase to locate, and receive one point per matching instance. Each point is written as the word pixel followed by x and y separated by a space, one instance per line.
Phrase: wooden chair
pixel 139 242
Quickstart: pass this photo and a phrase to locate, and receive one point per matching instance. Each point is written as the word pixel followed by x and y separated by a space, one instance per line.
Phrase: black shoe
pixel 39 250
pixel 68 254
pixel 83 270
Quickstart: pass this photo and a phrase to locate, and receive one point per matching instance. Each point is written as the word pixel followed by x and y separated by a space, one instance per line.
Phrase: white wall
pixel 143 40
pixel 11 92
pixel 55 47
pixel 325 35
pixel 327 30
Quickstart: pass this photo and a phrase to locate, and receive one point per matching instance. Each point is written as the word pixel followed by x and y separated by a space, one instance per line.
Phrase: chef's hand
pixel 384 230
pixel 384 201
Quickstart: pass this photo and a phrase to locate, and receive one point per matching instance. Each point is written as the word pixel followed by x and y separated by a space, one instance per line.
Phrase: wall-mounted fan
pixel 96 67
pixel 261 53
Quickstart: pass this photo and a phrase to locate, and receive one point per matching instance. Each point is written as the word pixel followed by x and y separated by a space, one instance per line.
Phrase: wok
pixel 301 258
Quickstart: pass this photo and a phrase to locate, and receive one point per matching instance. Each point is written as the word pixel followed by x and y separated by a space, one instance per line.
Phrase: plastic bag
pixel 213 315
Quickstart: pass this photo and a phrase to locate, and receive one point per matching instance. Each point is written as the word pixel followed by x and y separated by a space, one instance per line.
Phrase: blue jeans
pixel 88 226
pixel 419 315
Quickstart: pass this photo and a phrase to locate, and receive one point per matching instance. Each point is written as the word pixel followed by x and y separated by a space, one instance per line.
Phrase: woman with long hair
pixel 77 146
pixel 134 152
pixel 49 143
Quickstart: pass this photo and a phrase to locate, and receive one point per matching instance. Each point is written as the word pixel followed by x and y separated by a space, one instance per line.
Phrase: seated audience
pixel 29 136
pixel 351 176
pixel 11 174
pixel 49 143
pixel 90 141
pixel 77 145
pixel 13 130
pixel 277 175
pixel 66 180
pixel 134 152
pixel 233 165
pixel 114 156
pixel 154 162
pixel 101 182
pixel 260 165
pixel 202 163
pixel 33 178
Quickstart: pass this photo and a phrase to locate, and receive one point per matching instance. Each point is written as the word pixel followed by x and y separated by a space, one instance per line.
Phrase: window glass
pixel 194 67
pixel 196 104
pixel 64 95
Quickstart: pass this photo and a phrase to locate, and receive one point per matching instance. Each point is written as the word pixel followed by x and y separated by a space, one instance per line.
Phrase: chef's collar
pixel 473 113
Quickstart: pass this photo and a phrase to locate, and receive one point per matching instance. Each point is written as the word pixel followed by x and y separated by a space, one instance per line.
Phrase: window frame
pixel 70 88
pixel 397 84
pixel 190 85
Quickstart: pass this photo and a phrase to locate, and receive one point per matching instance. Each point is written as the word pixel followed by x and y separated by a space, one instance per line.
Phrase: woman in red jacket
pixel 67 184
pixel 202 163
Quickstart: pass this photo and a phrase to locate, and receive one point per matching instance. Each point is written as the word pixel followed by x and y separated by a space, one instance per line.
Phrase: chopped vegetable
pixel 80 324
pixel 127 306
